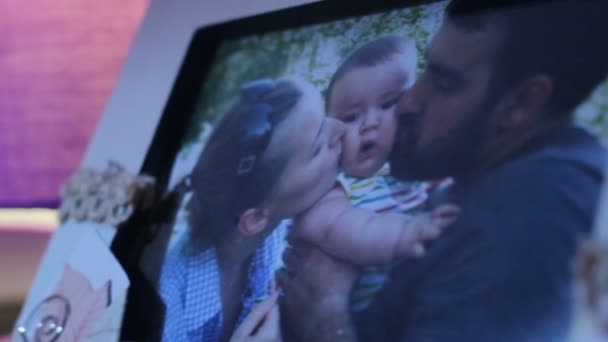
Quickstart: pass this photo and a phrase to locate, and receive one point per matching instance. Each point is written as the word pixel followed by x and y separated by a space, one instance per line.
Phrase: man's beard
pixel 455 154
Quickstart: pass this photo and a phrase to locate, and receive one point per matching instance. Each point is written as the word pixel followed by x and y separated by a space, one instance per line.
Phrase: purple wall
pixel 58 63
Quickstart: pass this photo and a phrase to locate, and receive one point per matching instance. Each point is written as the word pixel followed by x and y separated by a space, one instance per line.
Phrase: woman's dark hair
pixel 370 54
pixel 234 172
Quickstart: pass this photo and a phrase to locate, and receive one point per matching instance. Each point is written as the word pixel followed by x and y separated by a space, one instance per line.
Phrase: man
pixel 493 109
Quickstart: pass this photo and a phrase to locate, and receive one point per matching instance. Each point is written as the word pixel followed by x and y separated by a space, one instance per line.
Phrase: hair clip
pixel 246 164
pixel 255 89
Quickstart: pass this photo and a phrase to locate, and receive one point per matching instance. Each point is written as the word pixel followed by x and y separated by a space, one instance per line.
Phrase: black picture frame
pixel 144 316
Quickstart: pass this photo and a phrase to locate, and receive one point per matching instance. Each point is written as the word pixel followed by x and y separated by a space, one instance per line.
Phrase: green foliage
pixel 593 113
pixel 236 62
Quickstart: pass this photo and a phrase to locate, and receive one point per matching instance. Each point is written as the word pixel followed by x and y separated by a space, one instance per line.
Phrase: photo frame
pixel 310 41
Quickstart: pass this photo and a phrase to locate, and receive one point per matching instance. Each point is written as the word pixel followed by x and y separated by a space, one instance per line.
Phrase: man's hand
pixel 317 291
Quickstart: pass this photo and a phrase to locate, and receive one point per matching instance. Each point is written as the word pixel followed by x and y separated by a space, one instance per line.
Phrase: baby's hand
pixel 429 226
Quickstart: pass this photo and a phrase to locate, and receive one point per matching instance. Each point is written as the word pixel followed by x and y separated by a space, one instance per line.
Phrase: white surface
pixel 94 260
pixel 80 245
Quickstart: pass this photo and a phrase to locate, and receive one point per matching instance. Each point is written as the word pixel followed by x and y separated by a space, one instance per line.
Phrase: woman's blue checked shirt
pixel 190 287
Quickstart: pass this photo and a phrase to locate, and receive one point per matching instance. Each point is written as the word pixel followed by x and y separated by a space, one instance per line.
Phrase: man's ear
pixel 253 222
pixel 525 102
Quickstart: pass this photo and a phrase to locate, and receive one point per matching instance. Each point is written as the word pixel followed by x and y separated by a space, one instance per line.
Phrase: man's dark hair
pixel 566 40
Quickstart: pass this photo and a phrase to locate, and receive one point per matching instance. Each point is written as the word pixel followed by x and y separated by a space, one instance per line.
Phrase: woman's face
pixel 313 145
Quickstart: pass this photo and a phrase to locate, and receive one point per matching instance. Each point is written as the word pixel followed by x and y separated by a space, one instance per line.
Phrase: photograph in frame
pixel 433 169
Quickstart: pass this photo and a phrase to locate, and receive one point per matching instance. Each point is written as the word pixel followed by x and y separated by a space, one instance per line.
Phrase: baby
pixel 363 219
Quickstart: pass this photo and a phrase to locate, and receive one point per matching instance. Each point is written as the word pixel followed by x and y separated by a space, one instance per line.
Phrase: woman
pixel 270 158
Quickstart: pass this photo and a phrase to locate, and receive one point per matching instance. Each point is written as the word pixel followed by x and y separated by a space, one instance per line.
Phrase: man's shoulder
pixel 570 164
pixel 551 192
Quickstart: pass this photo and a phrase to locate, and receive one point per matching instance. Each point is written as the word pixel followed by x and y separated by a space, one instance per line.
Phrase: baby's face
pixel 364 99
